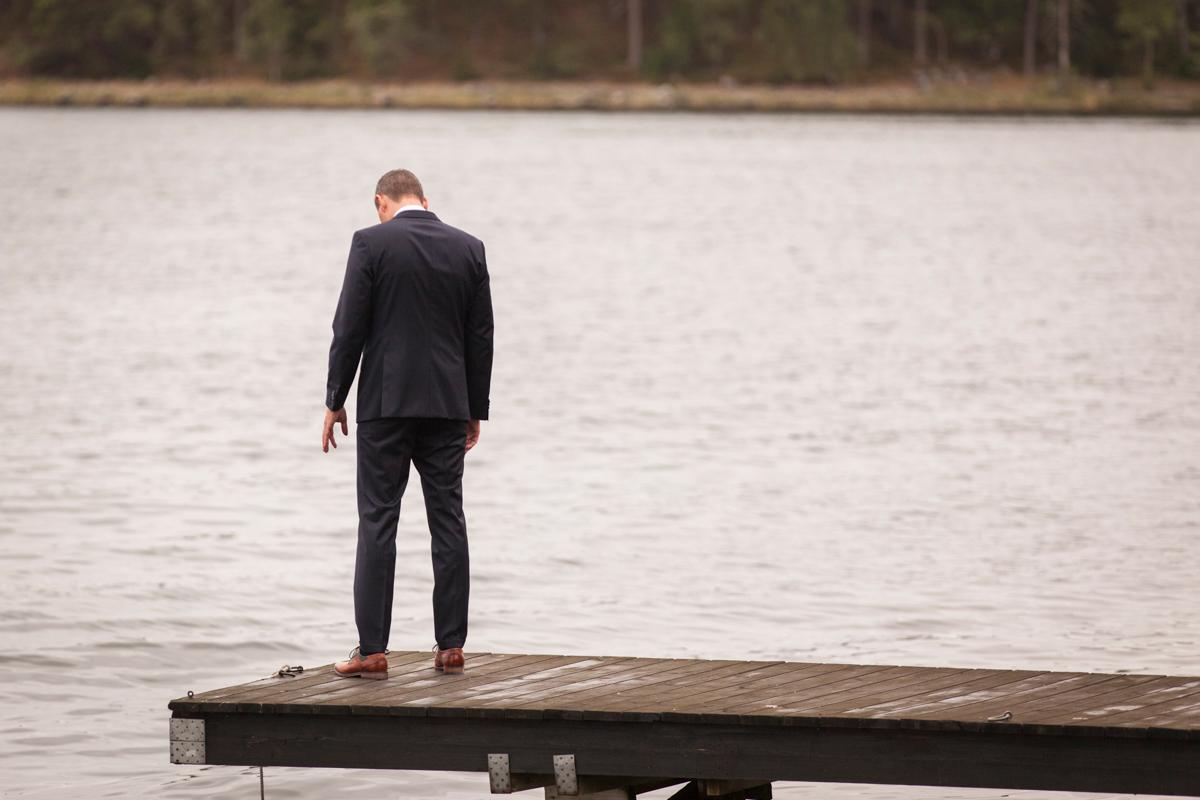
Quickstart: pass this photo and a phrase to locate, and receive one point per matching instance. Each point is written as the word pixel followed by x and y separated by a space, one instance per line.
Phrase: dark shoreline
pixel 1008 96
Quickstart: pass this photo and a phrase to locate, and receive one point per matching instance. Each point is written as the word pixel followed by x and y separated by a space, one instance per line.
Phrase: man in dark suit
pixel 416 305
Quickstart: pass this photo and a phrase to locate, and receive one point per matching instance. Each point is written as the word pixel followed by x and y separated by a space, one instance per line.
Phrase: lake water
pixel 831 388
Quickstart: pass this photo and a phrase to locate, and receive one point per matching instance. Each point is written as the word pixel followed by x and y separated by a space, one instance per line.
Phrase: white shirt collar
pixel 409 207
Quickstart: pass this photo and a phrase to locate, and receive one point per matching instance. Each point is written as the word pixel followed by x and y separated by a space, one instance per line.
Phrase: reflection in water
pixel 847 389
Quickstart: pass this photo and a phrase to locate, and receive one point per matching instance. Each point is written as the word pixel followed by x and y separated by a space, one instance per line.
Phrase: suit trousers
pixel 386 447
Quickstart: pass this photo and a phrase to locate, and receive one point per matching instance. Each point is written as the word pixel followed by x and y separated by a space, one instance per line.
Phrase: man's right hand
pixel 472 433
pixel 332 417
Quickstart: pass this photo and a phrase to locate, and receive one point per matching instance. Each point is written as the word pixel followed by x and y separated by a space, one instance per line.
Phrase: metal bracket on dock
pixel 565 780
pixel 187 741
pixel 499 777
pixel 502 780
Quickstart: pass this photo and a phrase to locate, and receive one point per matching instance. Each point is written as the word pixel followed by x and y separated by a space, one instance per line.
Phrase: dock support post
pixel 610 787
pixel 710 789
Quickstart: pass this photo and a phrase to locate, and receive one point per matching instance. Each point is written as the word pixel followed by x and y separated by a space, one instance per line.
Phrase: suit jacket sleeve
pixel 351 321
pixel 479 343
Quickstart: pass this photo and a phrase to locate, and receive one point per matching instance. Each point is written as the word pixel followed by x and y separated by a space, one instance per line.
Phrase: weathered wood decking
pixel 643 722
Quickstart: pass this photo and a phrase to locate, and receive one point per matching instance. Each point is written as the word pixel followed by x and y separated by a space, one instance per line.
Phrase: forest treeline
pixel 792 41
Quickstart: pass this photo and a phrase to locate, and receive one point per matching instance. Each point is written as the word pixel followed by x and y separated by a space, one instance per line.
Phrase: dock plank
pixel 980 702
pixel 289 690
pixel 1135 698
pixel 846 679
pixel 639 671
pixel 1040 710
pixel 894 696
pixel 759 680
pixel 358 692
pixel 794 677
pixel 1182 704
pixel 561 665
pixel 694 668
pixel 385 692
pixel 826 683
pixel 644 678
pixel 654 697
pixel 276 687
pixel 522 686
pixel 539 690
pixel 1055 684
pixel 899 704
pixel 1181 717
pixel 431 684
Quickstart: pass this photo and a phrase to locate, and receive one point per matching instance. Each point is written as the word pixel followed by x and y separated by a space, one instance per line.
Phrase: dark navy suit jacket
pixel 416 305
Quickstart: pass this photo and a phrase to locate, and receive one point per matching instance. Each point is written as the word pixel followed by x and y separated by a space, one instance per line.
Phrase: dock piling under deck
pixel 607 726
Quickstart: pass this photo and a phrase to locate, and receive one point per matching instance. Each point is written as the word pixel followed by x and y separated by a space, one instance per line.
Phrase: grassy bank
pixel 975 96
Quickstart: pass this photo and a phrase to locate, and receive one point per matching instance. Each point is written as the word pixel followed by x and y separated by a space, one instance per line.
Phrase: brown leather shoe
pixel 373 666
pixel 450 660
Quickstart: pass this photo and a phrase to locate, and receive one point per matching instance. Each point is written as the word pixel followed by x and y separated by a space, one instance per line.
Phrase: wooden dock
pixel 603 726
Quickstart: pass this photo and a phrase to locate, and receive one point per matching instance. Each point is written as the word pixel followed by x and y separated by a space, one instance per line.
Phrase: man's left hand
pixel 332 417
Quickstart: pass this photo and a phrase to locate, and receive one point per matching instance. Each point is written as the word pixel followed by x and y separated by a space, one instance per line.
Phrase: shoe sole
pixel 371 676
pixel 451 670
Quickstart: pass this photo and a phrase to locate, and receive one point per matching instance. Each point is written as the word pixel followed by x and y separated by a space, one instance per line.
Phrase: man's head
pixel 397 187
